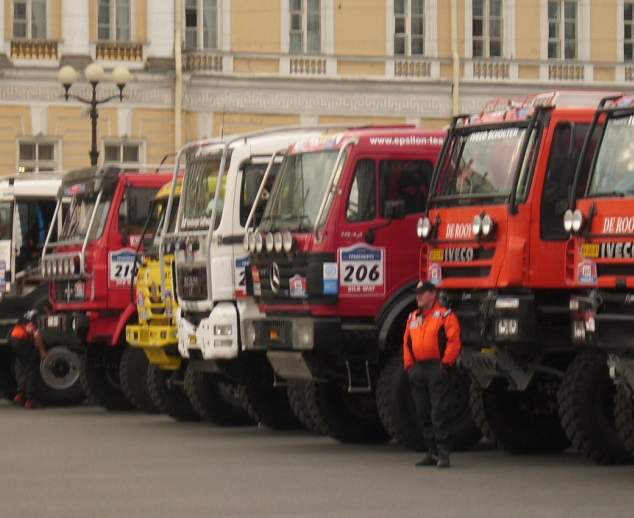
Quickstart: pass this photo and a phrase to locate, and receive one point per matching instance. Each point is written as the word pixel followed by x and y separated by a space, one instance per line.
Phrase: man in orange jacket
pixel 431 346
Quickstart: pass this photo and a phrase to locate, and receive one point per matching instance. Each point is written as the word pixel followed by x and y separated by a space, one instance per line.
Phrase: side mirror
pixel 394 209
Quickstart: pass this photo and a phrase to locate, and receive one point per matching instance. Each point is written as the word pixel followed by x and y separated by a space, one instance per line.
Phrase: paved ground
pixel 84 462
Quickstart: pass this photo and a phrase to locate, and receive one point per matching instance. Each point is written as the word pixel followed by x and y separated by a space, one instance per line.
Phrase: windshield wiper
pixel 610 194
pixel 473 196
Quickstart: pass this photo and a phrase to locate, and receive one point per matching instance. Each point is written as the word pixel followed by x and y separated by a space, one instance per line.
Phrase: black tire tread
pixel 133 377
pixel 99 390
pixel 172 402
pixel 296 391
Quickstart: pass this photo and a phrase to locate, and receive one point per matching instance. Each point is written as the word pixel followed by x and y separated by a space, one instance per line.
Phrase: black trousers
pixel 429 383
pixel 28 360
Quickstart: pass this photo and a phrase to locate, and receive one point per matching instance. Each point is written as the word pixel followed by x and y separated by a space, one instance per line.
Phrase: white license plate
pixel 52 321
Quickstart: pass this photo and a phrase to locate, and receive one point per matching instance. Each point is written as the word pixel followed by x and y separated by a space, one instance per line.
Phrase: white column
pixel 160 29
pixel 75 28
pixel 2 42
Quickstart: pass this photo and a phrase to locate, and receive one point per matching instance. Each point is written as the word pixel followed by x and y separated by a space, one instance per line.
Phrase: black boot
pixel 428 460
pixel 443 458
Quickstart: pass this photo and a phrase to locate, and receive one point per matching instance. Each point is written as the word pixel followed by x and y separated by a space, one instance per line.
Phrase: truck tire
pixel 133 375
pixel 522 422
pixel 267 405
pixel 586 409
pixel 100 379
pixel 213 399
pixel 398 413
pixel 624 416
pixel 349 418
pixel 296 393
pixel 60 373
pixel 168 397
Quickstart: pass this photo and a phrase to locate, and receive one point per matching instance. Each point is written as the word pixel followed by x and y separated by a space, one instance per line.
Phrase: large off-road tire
pixel 133 375
pixel 624 416
pixel 347 417
pixel 60 382
pixel 296 392
pixel 586 410
pixel 398 413
pixel 100 378
pixel 522 422
pixel 268 405
pixel 214 399
pixel 168 395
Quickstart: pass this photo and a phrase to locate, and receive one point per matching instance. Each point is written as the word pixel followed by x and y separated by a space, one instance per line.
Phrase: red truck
pixel 90 268
pixel 334 264
pixel 600 269
pixel 495 244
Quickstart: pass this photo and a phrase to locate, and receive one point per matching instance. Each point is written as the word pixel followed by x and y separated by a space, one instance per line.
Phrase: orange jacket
pixel 424 336
pixel 23 331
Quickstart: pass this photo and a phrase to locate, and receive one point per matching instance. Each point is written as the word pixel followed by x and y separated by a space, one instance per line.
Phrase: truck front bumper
pixel 159 342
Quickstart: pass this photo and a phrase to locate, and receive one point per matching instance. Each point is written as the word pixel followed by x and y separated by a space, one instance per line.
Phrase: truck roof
pixel 35 185
pixel 374 137
pixel 509 110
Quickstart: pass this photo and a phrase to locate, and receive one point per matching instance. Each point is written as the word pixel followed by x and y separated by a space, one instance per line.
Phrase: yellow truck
pixel 156 333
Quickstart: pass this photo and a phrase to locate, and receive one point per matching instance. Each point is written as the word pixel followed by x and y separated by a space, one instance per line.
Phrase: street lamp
pixel 94 74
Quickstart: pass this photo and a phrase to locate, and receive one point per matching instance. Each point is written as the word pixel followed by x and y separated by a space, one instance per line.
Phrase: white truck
pixel 221 182
pixel 27 205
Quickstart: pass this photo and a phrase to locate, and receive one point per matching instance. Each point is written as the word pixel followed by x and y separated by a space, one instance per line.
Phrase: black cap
pixel 422 287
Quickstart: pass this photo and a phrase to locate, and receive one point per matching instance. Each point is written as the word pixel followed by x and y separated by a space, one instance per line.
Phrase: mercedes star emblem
pixel 275 278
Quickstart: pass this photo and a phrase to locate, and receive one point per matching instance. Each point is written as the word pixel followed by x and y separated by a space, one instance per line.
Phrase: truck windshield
pixel 614 170
pixel 299 191
pixel 6 220
pixel 480 164
pixel 199 191
pixel 78 217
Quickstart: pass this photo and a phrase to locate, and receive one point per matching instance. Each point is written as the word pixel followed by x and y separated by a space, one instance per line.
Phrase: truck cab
pixel 89 266
pixel 221 180
pixel 334 265
pixel 27 205
pixel 600 270
pixel 494 244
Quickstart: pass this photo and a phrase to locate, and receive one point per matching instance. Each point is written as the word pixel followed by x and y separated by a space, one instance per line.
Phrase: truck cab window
pixel 33 216
pixel 567 143
pixel 134 210
pixel 406 180
pixel 252 175
pixel 362 199
pixel 6 220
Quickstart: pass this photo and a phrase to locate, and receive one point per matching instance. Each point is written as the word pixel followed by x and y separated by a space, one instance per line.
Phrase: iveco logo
pixel 275 278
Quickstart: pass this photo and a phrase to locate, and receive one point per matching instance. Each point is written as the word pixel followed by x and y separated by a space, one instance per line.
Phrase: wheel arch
pixel 393 316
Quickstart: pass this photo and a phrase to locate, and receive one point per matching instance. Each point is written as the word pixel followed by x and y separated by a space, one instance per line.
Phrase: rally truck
pixel 598 411
pixel 89 266
pixel 155 332
pixel 334 266
pixel 494 243
pixel 221 180
pixel 27 204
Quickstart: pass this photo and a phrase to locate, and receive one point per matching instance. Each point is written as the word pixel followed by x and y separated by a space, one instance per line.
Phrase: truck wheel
pixel 398 413
pixel 100 379
pixel 522 422
pixel 60 382
pixel 586 410
pixel 296 392
pixel 624 416
pixel 214 399
pixel 268 405
pixel 168 397
pixel 347 417
pixel 133 375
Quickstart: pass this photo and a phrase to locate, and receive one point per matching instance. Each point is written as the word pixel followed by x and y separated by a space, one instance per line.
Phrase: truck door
pixel 6 250
pixel 377 255
pixel 549 237
pixel 123 240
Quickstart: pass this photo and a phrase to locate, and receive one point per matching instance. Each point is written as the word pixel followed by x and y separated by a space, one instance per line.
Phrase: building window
pixel 487 28
pixel 628 29
pixel 562 29
pixel 409 27
pixel 127 154
pixel 35 156
pixel 305 29
pixel 29 19
pixel 201 24
pixel 114 20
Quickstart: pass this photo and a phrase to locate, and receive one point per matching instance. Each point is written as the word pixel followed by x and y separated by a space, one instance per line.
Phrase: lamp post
pixel 94 74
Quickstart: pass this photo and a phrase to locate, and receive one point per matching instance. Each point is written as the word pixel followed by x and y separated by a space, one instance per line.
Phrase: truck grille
pixel 192 283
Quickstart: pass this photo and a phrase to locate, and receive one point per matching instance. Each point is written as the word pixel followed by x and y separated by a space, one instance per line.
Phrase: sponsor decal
pixel 620 250
pixel 410 140
pixel 3 276
pixel 590 250
pixel 618 225
pixel 434 274
pixel 629 298
pixel 362 271
pixel 496 134
pixel 453 255
pixel 240 275
pixel 120 265
pixel 257 281
pixel 587 272
pixel 458 231
pixel 297 287
pixel 331 278
pixel 437 255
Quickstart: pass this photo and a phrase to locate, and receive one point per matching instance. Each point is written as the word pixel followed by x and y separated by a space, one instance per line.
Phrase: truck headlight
pixel 568 220
pixel 487 225
pixel 476 225
pixel 423 228
pixel 277 242
pixel 287 241
pixel 268 240
pixel 259 242
pixel 577 220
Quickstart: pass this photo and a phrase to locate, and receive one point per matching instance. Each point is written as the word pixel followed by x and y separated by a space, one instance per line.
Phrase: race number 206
pixel 362 271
